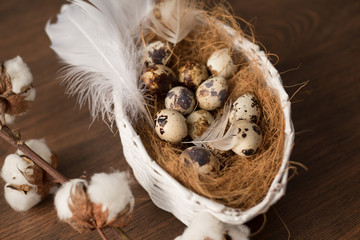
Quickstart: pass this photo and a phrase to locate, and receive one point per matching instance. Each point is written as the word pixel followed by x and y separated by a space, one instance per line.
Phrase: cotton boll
pixel 21 76
pixel 112 191
pixel 40 147
pixel 9 119
pixel 203 226
pixel 12 168
pixel 18 85
pixel 62 199
pixel 238 232
pixel 30 94
pixel 20 201
pixel 105 201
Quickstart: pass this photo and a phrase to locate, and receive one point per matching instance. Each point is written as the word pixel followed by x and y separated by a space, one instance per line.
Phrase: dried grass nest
pixel 241 182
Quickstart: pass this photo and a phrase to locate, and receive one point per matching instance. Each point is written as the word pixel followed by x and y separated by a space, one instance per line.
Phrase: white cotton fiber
pixel 238 232
pixel 62 198
pixel 19 72
pixel 9 118
pixel 31 94
pixel 203 225
pixel 112 191
pixel 12 168
pixel 20 201
pixel 39 146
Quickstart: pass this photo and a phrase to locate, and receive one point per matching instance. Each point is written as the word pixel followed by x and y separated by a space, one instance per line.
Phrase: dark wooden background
pixel 320 36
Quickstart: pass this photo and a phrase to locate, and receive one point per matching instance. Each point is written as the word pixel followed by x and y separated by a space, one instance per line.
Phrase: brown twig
pixel 8 135
pixel 101 233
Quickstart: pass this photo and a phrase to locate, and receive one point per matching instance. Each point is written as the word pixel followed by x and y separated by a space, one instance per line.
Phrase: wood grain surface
pixel 320 37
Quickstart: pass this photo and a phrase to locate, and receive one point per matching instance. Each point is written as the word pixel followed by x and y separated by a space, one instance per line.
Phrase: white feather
pixel 173 20
pixel 216 136
pixel 97 43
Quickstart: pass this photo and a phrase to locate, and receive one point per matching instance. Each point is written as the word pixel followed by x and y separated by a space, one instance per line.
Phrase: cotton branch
pixel 9 136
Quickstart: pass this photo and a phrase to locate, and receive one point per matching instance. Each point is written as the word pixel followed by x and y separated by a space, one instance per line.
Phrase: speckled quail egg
pixel 221 64
pixel 212 93
pixel 170 125
pixel 249 138
pixel 180 99
pixel 198 122
pixel 157 53
pixel 246 107
pixel 202 159
pixel 191 74
pixel 158 79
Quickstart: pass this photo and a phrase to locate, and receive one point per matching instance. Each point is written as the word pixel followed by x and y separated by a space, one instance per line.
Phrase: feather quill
pixel 216 135
pixel 97 41
pixel 173 20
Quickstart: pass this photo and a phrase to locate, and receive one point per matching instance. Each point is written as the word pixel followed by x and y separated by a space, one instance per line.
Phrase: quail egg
pixel 212 93
pixel 158 79
pixel 202 159
pixel 221 64
pixel 248 137
pixel 191 74
pixel 198 122
pixel 170 125
pixel 157 53
pixel 246 107
pixel 180 99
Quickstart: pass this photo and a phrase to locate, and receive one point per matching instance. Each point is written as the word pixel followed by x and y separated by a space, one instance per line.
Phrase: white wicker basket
pixel 170 195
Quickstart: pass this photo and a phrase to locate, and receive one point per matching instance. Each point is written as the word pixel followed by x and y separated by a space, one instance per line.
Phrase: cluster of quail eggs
pixel 192 96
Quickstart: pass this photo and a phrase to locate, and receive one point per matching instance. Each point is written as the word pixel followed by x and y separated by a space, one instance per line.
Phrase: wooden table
pixel 321 38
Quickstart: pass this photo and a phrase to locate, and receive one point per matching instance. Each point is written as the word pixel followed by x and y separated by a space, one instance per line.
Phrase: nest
pixel 241 182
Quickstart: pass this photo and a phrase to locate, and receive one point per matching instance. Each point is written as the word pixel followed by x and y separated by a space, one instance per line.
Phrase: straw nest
pixel 241 182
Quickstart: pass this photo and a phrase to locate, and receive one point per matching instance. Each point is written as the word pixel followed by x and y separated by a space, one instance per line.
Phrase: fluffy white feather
pixel 97 42
pixel 173 20
pixel 20 201
pixel 112 191
pixel 19 72
pixel 62 199
pixel 216 135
